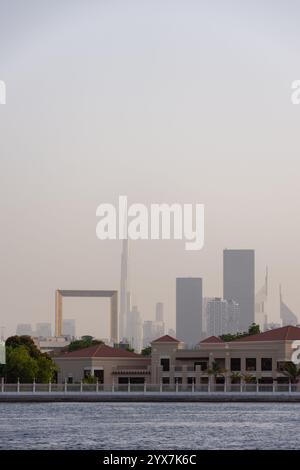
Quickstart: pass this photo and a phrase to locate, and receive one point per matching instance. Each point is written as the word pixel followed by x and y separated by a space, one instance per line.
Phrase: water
pixel 150 426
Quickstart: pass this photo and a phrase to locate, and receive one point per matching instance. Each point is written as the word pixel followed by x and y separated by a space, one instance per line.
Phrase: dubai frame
pixel 112 294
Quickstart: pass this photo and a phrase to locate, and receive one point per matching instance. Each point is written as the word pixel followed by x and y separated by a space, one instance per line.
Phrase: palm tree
pixel 235 377
pixel 249 378
pixel 291 371
pixel 216 370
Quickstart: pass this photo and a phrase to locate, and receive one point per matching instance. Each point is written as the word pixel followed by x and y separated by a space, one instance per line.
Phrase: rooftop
pixel 285 333
pixel 101 350
pixel 166 339
pixel 212 339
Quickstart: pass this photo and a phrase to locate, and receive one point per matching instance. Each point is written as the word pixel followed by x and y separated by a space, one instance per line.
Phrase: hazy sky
pixel 163 101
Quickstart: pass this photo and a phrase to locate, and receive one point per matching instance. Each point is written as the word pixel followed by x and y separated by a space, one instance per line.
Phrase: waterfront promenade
pixel 152 393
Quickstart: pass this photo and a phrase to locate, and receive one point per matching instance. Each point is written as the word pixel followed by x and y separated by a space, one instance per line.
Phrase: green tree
pixel 90 379
pixel 216 370
pixel 146 351
pixel 249 378
pixel 292 371
pixel 24 361
pixel 20 365
pixel 235 378
pixel 252 330
pixel 84 342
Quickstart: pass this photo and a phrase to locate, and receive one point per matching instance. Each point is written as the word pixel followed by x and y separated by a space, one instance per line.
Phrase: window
pixel 99 374
pixel 87 373
pixel 235 364
pixel 191 380
pixel 178 380
pixel 123 380
pixel 136 380
pixel 131 380
pixel 220 361
pixel 266 363
pixel 165 363
pixel 250 363
pixel 166 380
pixel 202 364
pixel 70 379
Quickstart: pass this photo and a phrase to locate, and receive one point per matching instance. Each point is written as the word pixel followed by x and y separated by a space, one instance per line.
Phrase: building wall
pixel 75 367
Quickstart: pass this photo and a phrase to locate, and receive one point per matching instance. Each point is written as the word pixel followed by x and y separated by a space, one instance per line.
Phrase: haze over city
pixel 184 102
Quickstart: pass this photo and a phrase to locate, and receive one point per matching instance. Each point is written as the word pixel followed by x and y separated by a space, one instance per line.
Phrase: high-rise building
pixel 287 316
pixel 43 330
pixel 124 294
pixel 189 310
pixel 261 304
pixel 134 329
pixel 216 316
pixel 24 329
pixel 159 312
pixel 69 327
pixel 239 283
pixel 222 316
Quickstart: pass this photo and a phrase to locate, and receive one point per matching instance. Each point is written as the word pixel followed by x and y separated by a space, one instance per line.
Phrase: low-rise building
pixel 257 358
pixel 108 365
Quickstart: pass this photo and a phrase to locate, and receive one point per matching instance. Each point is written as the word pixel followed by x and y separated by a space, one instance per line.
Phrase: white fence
pixel 147 388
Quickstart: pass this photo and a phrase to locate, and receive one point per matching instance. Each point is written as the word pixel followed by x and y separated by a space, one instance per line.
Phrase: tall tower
pixel 261 304
pixel 189 310
pixel 124 297
pixel 287 316
pixel 239 283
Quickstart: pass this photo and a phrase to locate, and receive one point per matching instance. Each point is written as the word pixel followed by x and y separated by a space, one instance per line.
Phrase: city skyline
pixel 131 102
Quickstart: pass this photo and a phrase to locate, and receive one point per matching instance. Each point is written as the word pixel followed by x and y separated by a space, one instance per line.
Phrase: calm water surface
pixel 150 426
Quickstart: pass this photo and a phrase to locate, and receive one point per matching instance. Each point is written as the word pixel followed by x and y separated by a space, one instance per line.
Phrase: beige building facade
pixel 252 359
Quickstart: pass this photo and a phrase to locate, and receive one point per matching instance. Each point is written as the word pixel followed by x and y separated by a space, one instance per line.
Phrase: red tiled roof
pixel 212 339
pixel 166 339
pixel 285 333
pixel 101 350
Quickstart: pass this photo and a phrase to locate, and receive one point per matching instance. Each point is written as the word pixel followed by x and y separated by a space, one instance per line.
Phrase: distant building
pixel 52 344
pixel 43 330
pixel 261 304
pixel 159 312
pixel 239 283
pixel 171 332
pixel 134 328
pixel 287 316
pixel 222 316
pixel 152 330
pixel 189 310
pixel 24 329
pixel 69 328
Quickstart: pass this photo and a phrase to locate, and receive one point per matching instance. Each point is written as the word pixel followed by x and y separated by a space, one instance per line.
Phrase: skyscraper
pixel 222 316
pixel 124 297
pixel 261 304
pixel 134 328
pixel 239 283
pixel 159 312
pixel 189 310
pixel 287 316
